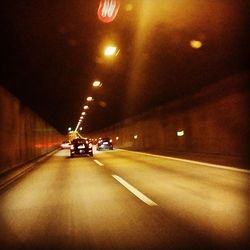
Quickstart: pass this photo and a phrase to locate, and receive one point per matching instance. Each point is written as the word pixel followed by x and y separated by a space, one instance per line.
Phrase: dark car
pixel 81 147
pixel 104 143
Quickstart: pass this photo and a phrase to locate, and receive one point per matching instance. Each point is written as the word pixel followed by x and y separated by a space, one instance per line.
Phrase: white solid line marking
pixel 136 192
pixel 99 163
pixel 194 162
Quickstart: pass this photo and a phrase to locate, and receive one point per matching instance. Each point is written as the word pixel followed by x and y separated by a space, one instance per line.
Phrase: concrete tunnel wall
pixel 24 135
pixel 215 122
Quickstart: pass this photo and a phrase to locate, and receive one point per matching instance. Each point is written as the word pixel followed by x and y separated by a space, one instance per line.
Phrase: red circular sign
pixel 107 10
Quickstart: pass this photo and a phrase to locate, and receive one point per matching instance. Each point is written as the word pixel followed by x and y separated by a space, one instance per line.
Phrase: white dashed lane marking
pixel 136 192
pixel 98 163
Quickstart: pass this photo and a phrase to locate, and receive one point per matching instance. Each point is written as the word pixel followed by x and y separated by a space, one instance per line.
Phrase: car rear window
pixel 105 139
pixel 79 141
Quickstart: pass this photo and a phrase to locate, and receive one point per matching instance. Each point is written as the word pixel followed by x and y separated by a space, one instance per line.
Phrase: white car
pixel 65 145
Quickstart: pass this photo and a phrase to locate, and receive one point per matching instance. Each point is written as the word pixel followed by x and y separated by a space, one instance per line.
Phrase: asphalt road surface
pixel 126 200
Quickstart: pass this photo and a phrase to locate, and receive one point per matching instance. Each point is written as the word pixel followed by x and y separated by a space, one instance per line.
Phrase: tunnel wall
pixel 24 135
pixel 215 122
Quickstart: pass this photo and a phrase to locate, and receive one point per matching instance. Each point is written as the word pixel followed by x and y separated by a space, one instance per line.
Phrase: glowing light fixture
pixel 180 133
pixel 89 98
pixel 110 51
pixel 195 44
pixel 97 84
pixel 85 107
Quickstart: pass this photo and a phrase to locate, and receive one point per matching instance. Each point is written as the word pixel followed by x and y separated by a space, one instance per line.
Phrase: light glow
pixel 129 7
pixel 180 133
pixel 110 51
pixel 195 44
pixel 103 104
pixel 89 98
pixel 97 84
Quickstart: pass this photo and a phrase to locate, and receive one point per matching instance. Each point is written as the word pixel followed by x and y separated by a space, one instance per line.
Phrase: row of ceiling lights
pixel 108 52
pixel 95 84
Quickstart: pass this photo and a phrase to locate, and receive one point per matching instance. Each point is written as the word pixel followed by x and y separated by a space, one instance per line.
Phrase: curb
pixel 27 167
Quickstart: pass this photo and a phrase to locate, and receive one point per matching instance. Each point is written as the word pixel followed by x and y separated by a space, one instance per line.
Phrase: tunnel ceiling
pixel 52 51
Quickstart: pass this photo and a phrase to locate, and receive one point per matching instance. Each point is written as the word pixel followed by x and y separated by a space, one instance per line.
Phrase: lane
pixel 211 200
pixel 77 204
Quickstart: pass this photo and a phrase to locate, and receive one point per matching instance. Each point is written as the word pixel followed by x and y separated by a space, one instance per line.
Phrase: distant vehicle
pixel 65 145
pixel 81 146
pixel 104 143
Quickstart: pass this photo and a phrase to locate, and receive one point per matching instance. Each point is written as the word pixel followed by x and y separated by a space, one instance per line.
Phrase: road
pixel 125 200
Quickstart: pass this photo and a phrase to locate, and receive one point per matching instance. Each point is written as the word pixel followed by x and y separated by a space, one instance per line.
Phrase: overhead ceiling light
pixel 196 44
pixel 110 51
pixel 97 84
pixel 89 98
pixel 180 133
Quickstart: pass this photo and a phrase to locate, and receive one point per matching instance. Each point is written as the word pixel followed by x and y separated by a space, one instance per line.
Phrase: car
pixel 104 143
pixel 81 146
pixel 65 145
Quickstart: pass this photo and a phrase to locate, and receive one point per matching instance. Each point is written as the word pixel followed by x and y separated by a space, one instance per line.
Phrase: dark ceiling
pixel 51 52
